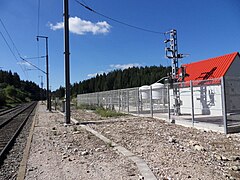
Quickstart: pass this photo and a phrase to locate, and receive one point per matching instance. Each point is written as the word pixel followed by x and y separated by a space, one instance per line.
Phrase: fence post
pixel 111 100
pixel 119 100
pixel 192 102
pixel 168 99
pixel 106 100
pixel 88 99
pixel 224 106
pixel 137 100
pixel 123 99
pixel 98 99
pixel 151 103
pixel 128 101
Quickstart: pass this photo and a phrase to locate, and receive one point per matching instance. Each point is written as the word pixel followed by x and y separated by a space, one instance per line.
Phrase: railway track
pixel 7 115
pixel 8 110
pixel 11 124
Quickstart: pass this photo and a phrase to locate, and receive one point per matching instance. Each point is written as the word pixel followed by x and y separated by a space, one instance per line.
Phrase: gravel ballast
pixel 9 168
pixel 70 152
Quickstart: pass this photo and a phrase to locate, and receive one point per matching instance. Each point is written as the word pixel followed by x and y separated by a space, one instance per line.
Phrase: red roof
pixel 210 68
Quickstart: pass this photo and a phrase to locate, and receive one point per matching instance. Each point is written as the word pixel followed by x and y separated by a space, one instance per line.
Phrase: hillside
pixel 118 79
pixel 13 90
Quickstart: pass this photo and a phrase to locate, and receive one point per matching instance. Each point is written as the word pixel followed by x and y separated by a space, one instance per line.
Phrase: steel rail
pixel 2 124
pixel 5 111
pixel 10 141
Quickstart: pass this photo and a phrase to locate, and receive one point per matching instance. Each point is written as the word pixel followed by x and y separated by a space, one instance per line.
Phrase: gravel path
pixel 59 153
pixel 172 151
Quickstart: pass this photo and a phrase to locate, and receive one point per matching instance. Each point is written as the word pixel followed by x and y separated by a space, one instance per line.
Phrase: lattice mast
pixel 171 51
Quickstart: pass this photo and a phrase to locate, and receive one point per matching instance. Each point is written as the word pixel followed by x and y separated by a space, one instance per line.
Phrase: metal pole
pixel 192 100
pixel 119 101
pixel 168 99
pixel 137 99
pixel 98 99
pixel 104 100
pixel 47 73
pixel 151 103
pixel 67 67
pixel 128 104
pixel 112 100
pixel 41 92
pixel 224 105
pixel 172 53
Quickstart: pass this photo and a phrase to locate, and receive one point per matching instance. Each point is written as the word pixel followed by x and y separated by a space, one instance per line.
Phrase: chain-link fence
pixel 231 89
pixel 199 103
pixel 212 104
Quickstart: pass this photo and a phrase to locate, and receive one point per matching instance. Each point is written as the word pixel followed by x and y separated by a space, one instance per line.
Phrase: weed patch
pixel 108 113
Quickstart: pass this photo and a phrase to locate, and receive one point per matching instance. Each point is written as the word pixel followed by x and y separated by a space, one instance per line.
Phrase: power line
pixel 38 17
pixel 33 65
pixel 38 27
pixel 15 57
pixel 10 37
pixel 15 49
pixel 35 57
pixel 120 22
pixel 9 46
pixel 84 2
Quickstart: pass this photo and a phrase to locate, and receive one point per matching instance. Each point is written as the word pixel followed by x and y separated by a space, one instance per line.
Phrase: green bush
pixel 88 107
pixel 23 96
pixel 3 85
pixel 15 96
pixel 10 91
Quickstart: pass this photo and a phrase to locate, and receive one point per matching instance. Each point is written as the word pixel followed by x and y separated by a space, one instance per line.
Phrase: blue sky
pixel 206 28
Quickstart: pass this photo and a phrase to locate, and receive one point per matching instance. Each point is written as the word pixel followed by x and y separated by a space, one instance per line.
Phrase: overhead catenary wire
pixel 115 20
pixel 10 37
pixel 33 65
pixel 14 55
pixel 38 18
pixel 16 49
pixel 38 29
pixel 35 57
pixel 5 40
pixel 84 2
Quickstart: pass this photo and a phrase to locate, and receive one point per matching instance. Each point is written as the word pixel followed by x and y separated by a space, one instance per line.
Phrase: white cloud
pixel 95 74
pixel 24 63
pixel 92 75
pixel 115 66
pixel 81 27
pixel 57 26
pixel 124 66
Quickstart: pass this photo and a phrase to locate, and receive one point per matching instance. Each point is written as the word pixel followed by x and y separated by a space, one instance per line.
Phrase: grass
pixel 88 107
pixel 101 111
pixel 11 96
pixel 108 113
